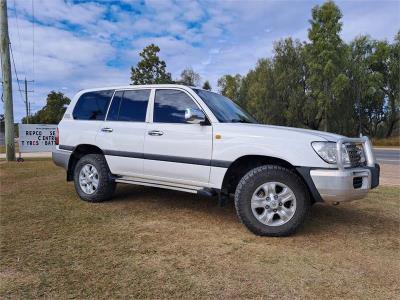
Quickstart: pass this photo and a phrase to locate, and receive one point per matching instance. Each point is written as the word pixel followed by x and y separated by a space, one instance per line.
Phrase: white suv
pixel 196 141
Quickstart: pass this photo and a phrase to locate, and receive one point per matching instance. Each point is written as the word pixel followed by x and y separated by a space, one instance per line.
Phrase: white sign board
pixel 37 137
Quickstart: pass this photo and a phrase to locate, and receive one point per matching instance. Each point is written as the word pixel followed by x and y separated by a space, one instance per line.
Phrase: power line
pixel 19 37
pixel 15 71
pixel 33 40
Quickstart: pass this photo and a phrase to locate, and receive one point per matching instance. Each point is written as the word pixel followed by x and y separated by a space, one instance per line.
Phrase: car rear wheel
pixel 92 178
pixel 272 201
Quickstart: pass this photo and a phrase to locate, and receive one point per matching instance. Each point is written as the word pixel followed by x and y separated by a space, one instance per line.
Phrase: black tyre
pixel 92 178
pixel 272 201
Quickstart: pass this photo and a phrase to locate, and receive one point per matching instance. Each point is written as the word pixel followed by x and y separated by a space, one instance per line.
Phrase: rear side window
pixel 114 108
pixel 170 106
pixel 92 105
pixel 129 106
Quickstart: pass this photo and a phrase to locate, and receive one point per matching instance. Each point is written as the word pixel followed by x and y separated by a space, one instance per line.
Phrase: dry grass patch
pixel 152 243
pixel 393 141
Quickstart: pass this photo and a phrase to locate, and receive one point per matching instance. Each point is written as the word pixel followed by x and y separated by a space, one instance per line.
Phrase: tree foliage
pixel 324 83
pixel 150 69
pixel 52 112
pixel 366 85
pixel 207 85
pixel 189 77
pixel 388 64
pixel 325 57
pixel 229 86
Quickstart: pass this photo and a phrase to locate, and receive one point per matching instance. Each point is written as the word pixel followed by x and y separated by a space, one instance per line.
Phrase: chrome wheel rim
pixel 88 179
pixel 273 203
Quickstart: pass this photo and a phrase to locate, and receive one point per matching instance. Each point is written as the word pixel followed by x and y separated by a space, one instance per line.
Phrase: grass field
pixel 151 243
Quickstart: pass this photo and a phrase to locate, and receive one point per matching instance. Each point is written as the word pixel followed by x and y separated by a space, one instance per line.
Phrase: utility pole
pixel 27 104
pixel 7 82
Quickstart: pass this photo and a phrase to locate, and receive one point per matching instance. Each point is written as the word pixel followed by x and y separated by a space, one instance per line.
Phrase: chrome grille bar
pixel 367 147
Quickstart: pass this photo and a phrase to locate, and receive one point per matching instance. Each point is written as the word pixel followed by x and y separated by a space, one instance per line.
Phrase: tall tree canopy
pixel 53 110
pixel 189 77
pixel 324 83
pixel 366 86
pixel 150 69
pixel 324 58
pixel 388 63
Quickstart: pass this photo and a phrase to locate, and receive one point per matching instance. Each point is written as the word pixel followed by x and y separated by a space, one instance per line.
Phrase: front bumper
pixel 61 158
pixel 345 185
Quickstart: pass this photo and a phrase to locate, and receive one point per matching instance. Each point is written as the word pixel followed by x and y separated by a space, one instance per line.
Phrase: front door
pixel 122 136
pixel 174 149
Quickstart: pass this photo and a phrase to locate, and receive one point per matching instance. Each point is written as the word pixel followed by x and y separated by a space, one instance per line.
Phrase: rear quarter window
pixel 92 105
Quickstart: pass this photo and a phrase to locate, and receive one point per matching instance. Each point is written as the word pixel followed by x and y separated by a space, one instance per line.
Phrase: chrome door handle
pixel 155 132
pixel 107 129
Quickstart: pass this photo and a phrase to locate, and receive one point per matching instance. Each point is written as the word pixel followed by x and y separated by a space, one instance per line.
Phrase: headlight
pixel 327 151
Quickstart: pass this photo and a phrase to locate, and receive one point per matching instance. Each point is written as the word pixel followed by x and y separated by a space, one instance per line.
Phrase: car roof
pixel 181 86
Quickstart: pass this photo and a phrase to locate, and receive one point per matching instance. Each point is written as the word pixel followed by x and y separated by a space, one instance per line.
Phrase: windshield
pixel 224 109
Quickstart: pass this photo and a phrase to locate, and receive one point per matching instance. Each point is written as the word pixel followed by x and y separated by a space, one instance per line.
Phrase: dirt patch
pixel 390 175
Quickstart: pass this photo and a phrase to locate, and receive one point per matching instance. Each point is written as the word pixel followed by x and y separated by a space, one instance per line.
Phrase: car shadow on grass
pixel 323 218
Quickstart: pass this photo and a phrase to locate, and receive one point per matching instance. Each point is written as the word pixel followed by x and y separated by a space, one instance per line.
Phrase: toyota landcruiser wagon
pixel 193 140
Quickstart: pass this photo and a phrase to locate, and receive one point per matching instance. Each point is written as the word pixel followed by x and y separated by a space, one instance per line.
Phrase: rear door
pixel 174 149
pixel 88 116
pixel 122 135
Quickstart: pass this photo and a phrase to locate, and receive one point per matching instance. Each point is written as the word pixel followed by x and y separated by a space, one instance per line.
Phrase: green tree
pixel 150 70
pixel 393 83
pixel 386 60
pixel 189 77
pixel 351 88
pixel 207 86
pixel 53 111
pixel 290 72
pixel 325 57
pixel 365 89
pixel 261 94
pixel 230 85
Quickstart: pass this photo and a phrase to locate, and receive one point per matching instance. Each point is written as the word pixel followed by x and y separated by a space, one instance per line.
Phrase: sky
pixel 67 46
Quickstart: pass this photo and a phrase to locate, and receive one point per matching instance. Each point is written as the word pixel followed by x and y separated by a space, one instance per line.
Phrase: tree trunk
pixel 392 123
pixel 326 107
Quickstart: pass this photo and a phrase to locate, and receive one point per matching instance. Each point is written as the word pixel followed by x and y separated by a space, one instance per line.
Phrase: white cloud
pixel 56 11
pixel 87 44
pixel 382 22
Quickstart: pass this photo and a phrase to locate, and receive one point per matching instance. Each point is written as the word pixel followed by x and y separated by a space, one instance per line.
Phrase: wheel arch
pixel 78 152
pixel 244 164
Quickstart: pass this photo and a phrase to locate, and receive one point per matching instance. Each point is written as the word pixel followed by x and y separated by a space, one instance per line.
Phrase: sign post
pixel 36 138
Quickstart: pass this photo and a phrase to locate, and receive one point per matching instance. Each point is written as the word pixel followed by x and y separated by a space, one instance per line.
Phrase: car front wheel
pixel 272 201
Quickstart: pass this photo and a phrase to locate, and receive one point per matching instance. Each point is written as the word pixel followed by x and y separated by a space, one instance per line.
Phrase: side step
pixel 207 192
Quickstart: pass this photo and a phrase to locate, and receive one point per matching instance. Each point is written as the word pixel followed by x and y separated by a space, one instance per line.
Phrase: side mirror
pixel 194 116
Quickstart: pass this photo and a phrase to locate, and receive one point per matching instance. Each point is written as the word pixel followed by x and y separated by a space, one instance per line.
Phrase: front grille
pixel 357 182
pixel 356 155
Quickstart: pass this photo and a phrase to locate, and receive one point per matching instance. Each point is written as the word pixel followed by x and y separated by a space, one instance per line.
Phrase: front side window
pixel 224 109
pixel 129 106
pixel 170 106
pixel 92 105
